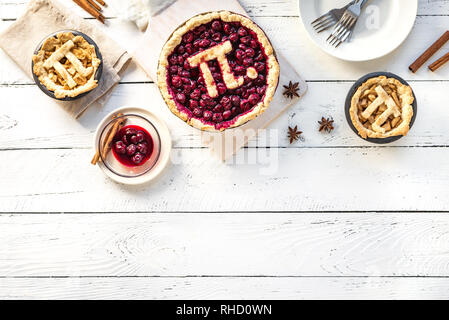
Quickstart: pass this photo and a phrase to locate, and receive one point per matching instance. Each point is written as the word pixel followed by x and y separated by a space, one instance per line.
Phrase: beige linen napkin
pixel 44 17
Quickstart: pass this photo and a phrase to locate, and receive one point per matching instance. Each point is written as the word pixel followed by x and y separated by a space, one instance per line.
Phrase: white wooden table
pixel 339 218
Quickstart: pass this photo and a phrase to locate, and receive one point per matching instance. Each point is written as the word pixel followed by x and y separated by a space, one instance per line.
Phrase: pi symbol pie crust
pixel 218 71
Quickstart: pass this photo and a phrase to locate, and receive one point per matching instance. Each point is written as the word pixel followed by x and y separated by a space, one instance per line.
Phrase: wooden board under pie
pixel 223 144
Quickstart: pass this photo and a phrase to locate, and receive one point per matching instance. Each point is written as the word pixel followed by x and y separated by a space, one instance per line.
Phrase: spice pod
pixel 98 73
pixel 353 90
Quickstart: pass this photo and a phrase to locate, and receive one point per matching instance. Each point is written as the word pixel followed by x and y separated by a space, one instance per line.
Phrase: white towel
pixel 139 11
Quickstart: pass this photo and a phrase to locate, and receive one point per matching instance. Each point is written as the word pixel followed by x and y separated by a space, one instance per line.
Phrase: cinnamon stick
pixel 89 9
pixel 102 3
pixel 95 5
pixel 439 63
pixel 109 137
pixel 429 52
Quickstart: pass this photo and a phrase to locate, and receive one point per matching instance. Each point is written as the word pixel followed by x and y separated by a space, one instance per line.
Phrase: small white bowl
pixel 165 146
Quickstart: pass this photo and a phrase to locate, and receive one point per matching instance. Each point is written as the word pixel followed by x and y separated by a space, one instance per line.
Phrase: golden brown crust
pixel 77 74
pixel 405 94
pixel 175 40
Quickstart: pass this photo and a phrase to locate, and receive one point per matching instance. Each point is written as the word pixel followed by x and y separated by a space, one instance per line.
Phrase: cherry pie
pixel 382 108
pixel 218 71
pixel 66 64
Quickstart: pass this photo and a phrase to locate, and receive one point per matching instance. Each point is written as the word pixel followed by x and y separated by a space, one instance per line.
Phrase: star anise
pixel 294 134
pixel 326 124
pixel 291 90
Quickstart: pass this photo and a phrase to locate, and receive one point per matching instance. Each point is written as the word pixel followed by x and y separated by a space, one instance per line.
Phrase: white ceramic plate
pixel 164 156
pixel 382 27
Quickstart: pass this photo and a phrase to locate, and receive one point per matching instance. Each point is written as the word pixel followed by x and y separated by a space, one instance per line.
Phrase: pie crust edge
pixel 176 38
pixel 406 94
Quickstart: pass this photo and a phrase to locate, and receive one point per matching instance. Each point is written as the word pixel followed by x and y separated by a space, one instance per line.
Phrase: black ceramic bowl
pixel 353 90
pixel 98 74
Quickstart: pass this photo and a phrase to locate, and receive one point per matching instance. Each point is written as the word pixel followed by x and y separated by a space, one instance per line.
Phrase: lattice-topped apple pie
pixel 382 108
pixel 66 64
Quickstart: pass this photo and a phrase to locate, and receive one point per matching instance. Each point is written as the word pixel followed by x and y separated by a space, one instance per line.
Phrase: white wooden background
pixel 340 218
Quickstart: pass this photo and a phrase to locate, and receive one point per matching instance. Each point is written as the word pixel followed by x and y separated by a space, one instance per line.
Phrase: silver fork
pixel 345 26
pixel 329 19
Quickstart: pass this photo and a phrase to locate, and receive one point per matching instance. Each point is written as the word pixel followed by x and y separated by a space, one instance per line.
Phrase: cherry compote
pixel 132 146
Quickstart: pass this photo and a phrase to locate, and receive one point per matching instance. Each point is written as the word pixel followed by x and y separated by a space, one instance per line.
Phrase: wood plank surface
pixel 203 288
pixel 20 130
pixel 227 244
pixel 328 217
pixel 315 179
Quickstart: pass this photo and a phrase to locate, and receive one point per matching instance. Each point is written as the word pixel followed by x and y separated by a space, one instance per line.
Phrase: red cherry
pixel 207 115
pixel 204 43
pixel 173 69
pixel 261 90
pixel 216 25
pixel 181 97
pixel 187 89
pixel 173 59
pixel 250 52
pixel 130 132
pixel 218 108
pixel 189 48
pixel 228 29
pixel 227 114
pixel 240 70
pixel 217 117
pixel 254 99
pixel 188 37
pixel 196 94
pixel 197 112
pixel 196 43
pixel 221 88
pixel 248 62
pixel 140 136
pixel 235 101
pixel 245 40
pixel 226 103
pixel 120 147
pixel 193 104
pixel 216 36
pixel 239 54
pixel 137 158
pixel 234 37
pixel 204 35
pixel 260 67
pixel 176 81
pixel 244 105
pixel 243 32
pixel 133 139
pixel 142 148
pixel 131 149
pixel 260 80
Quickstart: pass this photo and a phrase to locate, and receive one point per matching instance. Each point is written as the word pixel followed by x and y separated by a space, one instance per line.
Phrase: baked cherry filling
pixel 218 72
